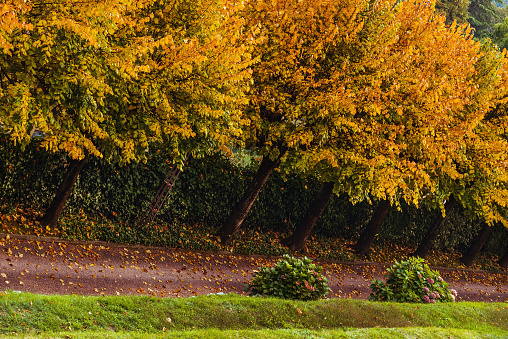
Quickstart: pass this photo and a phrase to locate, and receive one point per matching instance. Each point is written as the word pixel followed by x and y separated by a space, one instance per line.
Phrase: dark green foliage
pixel 204 195
pixel 412 281
pixel 205 192
pixel 454 10
pixel 290 278
pixel 30 177
pixel 409 225
pixel 190 237
pixel 500 35
pixel 483 15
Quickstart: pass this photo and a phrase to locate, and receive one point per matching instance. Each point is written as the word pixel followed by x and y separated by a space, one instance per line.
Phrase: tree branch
pixel 10 80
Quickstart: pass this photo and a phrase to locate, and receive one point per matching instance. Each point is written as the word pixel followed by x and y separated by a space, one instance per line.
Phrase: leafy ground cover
pixel 54 266
pixel 233 316
pixel 213 316
pixel 201 237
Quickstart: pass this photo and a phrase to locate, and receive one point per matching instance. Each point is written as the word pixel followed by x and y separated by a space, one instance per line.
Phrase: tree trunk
pixel 232 224
pixel 53 212
pixel 431 236
pixel 503 262
pixel 296 242
pixel 475 248
pixel 367 238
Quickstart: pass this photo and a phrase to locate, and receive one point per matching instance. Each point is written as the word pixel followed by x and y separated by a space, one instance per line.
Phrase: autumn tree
pixel 410 110
pixel 10 14
pixel 301 46
pixel 480 185
pixel 113 79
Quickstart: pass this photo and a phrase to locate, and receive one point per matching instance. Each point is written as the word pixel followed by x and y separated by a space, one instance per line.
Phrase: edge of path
pixel 47 239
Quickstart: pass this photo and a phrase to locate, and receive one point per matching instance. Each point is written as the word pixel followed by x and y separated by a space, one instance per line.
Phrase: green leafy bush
pixel 290 278
pixel 412 281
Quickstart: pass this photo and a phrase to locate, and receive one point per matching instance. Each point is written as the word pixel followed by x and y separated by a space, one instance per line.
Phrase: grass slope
pixel 233 316
pixel 370 333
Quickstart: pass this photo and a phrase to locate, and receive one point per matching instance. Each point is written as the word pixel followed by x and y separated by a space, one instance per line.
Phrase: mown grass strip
pixel 30 313
pixel 367 333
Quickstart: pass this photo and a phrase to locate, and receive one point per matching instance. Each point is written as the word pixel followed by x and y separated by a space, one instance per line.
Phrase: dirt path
pixel 49 266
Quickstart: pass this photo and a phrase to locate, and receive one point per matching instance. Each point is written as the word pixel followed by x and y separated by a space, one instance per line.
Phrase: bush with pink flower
pixel 412 281
pixel 290 278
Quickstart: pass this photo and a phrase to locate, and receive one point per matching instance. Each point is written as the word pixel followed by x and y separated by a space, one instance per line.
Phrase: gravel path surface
pixel 53 266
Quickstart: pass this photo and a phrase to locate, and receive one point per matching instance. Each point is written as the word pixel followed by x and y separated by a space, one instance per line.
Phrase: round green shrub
pixel 412 281
pixel 290 278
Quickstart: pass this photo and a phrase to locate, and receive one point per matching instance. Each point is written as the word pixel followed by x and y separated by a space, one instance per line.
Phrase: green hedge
pixel 205 193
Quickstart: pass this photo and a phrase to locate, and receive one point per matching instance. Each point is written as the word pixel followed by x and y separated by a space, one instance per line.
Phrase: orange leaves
pixel 294 79
pixel 10 13
pixel 382 103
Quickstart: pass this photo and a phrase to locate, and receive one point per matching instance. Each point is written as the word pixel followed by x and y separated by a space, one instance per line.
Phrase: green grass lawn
pixel 232 316
pixel 428 332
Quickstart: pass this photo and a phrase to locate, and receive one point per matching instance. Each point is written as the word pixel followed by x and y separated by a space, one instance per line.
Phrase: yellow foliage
pixel 381 97
pixel 117 77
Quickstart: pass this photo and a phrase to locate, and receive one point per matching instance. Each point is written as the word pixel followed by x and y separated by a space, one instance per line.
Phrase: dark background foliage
pixel 205 193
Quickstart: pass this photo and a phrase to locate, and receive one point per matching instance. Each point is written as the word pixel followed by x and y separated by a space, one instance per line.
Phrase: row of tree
pixel 395 110
pixel 383 101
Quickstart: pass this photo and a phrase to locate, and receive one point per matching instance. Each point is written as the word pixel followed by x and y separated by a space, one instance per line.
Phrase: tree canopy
pixel 387 99
pixel 378 97
pixel 110 77
pixel 115 78
pixel 418 92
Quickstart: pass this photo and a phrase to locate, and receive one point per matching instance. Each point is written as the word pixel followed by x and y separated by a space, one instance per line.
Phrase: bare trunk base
pixel 53 212
pixel 367 238
pixel 296 242
pixel 430 238
pixel 503 261
pixel 242 208
pixel 475 248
